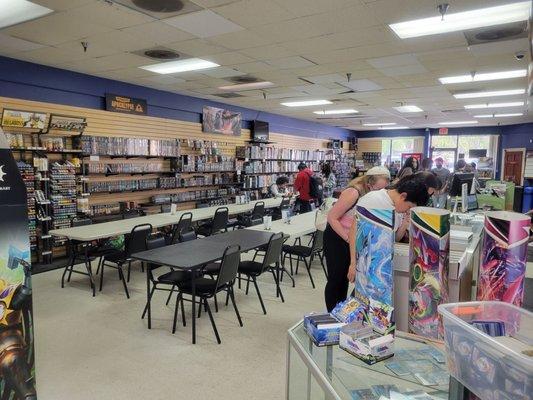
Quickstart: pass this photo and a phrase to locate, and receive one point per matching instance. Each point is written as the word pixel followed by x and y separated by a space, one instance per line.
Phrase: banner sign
pixel 66 123
pixel 218 120
pixel 17 380
pixel 127 105
pixel 23 119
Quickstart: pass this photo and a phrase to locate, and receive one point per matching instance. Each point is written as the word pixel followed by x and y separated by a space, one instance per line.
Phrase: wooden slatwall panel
pixel 105 123
pixel 368 145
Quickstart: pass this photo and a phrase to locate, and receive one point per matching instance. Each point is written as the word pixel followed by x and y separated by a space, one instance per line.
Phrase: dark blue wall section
pixel 36 82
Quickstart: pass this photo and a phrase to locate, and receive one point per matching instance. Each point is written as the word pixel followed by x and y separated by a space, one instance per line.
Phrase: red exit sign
pixel 443 131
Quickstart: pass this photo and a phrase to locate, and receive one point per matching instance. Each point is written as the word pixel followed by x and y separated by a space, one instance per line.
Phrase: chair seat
pixel 233 222
pixel 116 256
pixel 204 286
pixel 175 277
pixel 211 268
pixel 204 230
pixel 250 267
pixel 302 251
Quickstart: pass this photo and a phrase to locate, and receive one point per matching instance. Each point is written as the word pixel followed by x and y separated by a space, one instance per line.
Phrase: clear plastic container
pixel 493 368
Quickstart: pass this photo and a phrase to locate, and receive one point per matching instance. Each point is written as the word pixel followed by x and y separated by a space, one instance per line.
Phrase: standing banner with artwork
pixel 428 255
pixel 17 367
pixel 218 120
pixel 503 258
pixel 374 246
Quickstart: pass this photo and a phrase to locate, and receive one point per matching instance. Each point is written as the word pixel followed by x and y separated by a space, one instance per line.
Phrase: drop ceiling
pixel 339 50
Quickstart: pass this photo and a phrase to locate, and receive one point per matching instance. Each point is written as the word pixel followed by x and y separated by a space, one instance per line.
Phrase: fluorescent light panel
pixel 493 93
pixel 247 86
pixel 306 103
pixel 461 21
pixel 499 115
pixel 379 124
pixel 458 123
pixel 334 112
pixel 495 105
pixel 173 67
pixel 387 128
pixel 408 109
pixel 14 12
pixel 489 76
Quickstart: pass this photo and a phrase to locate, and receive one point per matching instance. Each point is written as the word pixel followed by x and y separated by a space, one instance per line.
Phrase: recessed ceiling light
pixel 14 12
pixel 333 112
pixel 408 109
pixel 172 67
pixel 379 124
pixel 247 86
pixel 386 128
pixel 489 76
pixel 495 105
pixel 479 18
pixel 306 103
pixel 458 123
pixel 493 93
pixel 499 115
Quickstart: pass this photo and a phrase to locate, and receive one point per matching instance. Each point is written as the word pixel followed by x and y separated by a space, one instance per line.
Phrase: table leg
pixel 148 297
pixel 193 295
pixel 70 263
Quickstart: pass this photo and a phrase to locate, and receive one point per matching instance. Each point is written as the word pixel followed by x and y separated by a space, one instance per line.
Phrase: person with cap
pixel 302 184
pixel 441 196
pixel 336 235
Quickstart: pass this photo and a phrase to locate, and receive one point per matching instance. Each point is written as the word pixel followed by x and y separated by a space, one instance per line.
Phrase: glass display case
pixel 327 373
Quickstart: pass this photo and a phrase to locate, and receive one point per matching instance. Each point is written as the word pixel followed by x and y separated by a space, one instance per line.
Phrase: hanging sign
pixel 443 131
pixel 124 104
pixel 66 123
pixel 23 119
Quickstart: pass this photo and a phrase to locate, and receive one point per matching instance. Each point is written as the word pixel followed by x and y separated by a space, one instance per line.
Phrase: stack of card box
pixel 360 340
pixel 322 328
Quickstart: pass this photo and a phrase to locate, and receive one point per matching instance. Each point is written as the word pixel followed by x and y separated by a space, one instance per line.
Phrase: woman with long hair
pixel 336 238
pixel 410 167
pixel 330 182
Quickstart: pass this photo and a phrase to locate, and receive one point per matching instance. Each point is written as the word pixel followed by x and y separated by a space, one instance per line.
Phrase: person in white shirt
pixel 279 189
pixel 409 192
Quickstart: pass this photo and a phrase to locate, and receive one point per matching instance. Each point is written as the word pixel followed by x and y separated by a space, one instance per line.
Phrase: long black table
pixel 194 254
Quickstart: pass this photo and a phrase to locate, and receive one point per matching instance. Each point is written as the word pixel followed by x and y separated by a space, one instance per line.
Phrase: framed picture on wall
pixel 66 123
pixel 23 119
pixel 218 120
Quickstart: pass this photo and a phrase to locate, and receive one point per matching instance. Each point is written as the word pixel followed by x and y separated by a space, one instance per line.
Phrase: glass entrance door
pixel 448 155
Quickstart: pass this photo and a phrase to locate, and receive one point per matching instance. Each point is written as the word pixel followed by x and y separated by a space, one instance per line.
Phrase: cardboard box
pixel 362 342
pixel 322 328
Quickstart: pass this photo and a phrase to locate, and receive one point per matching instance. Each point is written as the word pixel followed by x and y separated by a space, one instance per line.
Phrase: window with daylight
pixel 392 149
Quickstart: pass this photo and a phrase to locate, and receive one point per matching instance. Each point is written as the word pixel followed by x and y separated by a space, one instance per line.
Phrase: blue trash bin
pixel 527 202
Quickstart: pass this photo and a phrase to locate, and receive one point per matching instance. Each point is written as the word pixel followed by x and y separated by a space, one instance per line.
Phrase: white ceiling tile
pixel 362 85
pixel 120 41
pixel 393 61
pixel 158 32
pixel 94 49
pixel 251 13
pixel 213 3
pixel 498 48
pixel 266 52
pixel 9 44
pixel 223 72
pixel 302 8
pixel 229 58
pixel 45 55
pixel 290 62
pixel 163 79
pixel 255 67
pixel 241 40
pixel 197 47
pixel 203 24
pixel 62 5
pixel 328 78
pixel 109 14
pixel 317 90
pixel 403 70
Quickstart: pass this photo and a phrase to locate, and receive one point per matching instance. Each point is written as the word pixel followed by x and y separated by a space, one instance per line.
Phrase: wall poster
pixel 218 120
pixel 23 119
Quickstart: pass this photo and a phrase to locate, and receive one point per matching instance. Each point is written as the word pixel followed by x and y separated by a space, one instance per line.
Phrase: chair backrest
pixel 259 210
pixel 185 236
pixel 184 225
pixel 273 252
pixel 154 242
pixel 229 265
pixel 136 240
pixel 220 220
pixel 132 214
pixel 318 241
pixel 255 221
pixel 81 222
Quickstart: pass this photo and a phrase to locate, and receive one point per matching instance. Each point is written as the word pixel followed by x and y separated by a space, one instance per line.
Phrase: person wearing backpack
pixel 302 184
pixel 336 235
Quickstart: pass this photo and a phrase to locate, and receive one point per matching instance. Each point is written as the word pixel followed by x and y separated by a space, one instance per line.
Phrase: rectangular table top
pixel 301 224
pixel 108 229
pixel 198 252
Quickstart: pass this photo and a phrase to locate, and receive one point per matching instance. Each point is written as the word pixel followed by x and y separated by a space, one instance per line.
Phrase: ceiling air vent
pixel 244 79
pixel 160 8
pixel 159 53
pixel 230 95
pixel 459 110
pixel 515 30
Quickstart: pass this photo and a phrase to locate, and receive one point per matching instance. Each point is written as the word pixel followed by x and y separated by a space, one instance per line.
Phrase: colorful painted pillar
pixel 428 282
pixel 17 368
pixel 374 245
pixel 503 257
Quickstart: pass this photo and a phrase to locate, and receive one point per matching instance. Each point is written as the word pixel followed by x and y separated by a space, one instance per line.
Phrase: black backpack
pixel 316 187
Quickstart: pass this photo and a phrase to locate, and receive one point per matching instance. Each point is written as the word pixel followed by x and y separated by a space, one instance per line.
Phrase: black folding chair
pixel 207 288
pixel 255 217
pixel 183 225
pixel 135 242
pixel 253 269
pixel 284 205
pixel 218 224
pixel 302 253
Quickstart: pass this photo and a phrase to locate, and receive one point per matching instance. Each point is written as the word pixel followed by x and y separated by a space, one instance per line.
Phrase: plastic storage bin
pixel 493 368
pixel 527 200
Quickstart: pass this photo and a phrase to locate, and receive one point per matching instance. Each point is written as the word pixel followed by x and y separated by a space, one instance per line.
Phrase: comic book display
pixel 374 245
pixel 503 257
pixel 428 255
pixel 17 368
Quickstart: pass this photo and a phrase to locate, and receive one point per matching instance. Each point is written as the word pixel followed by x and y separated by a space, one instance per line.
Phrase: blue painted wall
pixel 23 80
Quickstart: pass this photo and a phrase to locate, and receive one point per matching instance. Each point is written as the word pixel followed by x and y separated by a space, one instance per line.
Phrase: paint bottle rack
pixel 485 364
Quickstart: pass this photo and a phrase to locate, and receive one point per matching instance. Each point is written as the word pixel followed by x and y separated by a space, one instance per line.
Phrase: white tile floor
pixel 99 348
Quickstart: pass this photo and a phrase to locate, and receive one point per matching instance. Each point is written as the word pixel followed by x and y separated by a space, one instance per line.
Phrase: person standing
pixel 330 181
pixel 340 219
pixel 409 168
pixel 426 164
pixel 302 184
pixel 441 196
